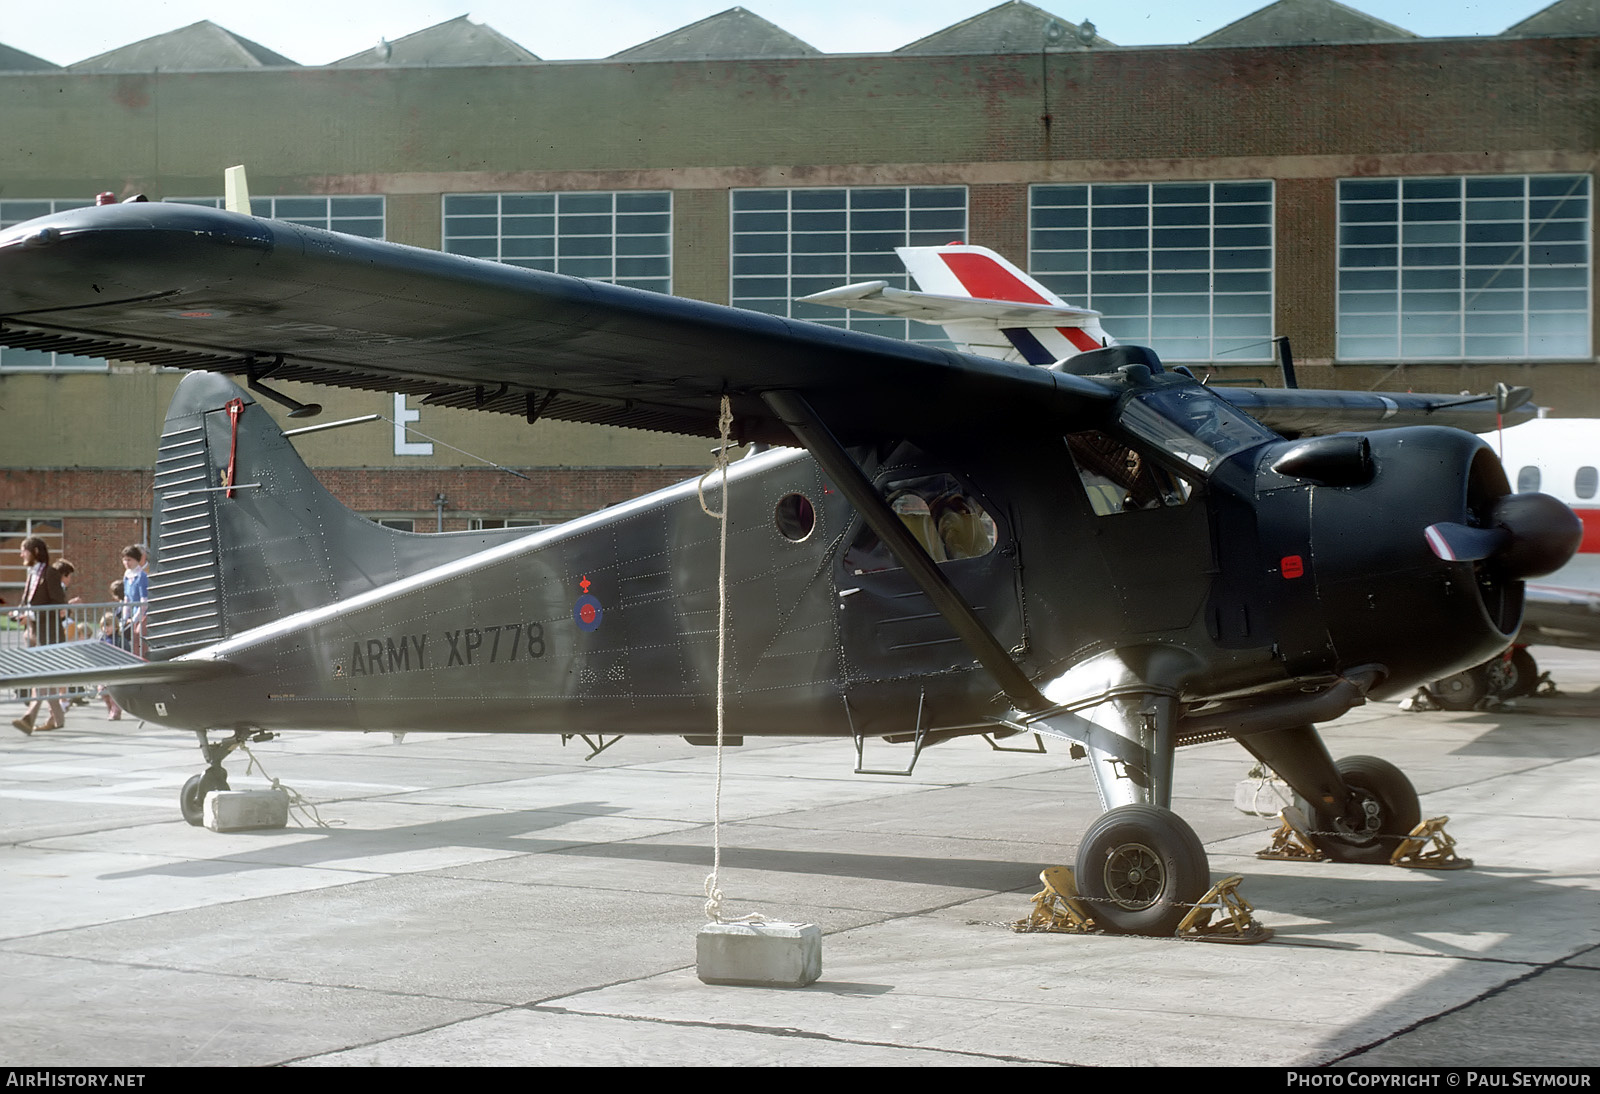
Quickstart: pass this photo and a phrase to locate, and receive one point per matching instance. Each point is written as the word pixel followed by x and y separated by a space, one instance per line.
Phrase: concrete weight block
pixel 768 955
pixel 240 810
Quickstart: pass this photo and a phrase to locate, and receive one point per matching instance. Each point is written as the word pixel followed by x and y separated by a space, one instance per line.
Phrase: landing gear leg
pixel 192 798
pixel 1140 868
pixel 1363 806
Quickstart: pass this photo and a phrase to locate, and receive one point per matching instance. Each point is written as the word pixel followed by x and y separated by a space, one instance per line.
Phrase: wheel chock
pixel 1238 923
pixel 1429 847
pixel 1292 841
pixel 1057 908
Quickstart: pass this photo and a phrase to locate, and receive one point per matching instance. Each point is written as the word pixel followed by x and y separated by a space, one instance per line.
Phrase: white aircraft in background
pixel 1559 457
pixel 989 307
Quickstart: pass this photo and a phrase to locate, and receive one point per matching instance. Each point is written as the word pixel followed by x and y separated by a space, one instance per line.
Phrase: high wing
pixel 1297 412
pixel 194 287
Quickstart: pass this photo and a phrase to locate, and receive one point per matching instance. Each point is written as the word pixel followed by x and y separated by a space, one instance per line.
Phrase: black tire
pixel 192 798
pixel 1141 869
pixel 1387 804
pixel 1512 676
pixel 1463 691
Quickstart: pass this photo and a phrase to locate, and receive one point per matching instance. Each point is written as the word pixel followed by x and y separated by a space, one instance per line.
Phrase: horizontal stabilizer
pixel 96 662
pixel 881 298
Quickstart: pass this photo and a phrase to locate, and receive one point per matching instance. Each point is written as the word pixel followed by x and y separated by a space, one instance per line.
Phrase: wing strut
pixel 797 414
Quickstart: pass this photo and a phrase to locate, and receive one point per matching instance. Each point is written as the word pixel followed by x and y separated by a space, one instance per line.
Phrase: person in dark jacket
pixel 41 590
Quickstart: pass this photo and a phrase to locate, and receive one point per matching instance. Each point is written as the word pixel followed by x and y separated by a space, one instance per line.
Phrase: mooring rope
pixel 720 465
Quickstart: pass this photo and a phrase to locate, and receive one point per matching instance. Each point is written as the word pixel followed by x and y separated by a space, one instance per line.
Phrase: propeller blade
pixel 1464 543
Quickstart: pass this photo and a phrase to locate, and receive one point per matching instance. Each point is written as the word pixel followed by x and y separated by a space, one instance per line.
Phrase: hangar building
pixel 1415 213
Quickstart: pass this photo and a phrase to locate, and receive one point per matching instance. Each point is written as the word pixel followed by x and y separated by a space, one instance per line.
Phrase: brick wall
pixel 104 511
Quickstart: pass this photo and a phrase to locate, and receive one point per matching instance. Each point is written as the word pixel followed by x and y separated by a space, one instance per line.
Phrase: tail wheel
pixel 192 798
pixel 1141 869
pixel 1383 811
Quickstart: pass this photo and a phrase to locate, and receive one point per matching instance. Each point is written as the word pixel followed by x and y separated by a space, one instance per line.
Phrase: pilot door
pixel 888 627
pixel 1152 529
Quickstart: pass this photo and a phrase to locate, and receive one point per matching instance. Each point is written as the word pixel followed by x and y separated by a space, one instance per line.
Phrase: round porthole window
pixel 795 517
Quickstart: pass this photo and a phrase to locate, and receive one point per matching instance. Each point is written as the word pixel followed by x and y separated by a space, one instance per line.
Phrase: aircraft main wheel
pixel 1512 676
pixel 1461 691
pixel 1140 869
pixel 192 798
pixel 1384 812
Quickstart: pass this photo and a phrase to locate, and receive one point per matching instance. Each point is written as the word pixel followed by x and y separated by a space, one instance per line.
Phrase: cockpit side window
pixel 1193 425
pixel 1120 479
pixel 939 512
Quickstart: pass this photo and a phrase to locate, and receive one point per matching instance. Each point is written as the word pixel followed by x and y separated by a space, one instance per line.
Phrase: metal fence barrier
pixel 118 622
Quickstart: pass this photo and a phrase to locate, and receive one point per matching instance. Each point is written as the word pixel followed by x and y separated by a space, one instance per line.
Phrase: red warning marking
pixel 986 279
pixel 1078 337
pixel 981 276
pixel 1292 566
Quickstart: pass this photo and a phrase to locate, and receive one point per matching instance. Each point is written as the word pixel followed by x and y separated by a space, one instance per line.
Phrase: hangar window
pixel 791 243
pixel 15 211
pixel 1474 268
pixel 624 237
pixel 478 524
pixel 1182 267
pixel 1585 481
pixel 13 530
pixel 353 214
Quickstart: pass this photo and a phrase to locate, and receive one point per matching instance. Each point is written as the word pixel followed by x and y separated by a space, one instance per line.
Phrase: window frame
pixel 1219 269
pixel 12 576
pixel 577 253
pixel 1395 300
pixel 280 207
pixel 771 264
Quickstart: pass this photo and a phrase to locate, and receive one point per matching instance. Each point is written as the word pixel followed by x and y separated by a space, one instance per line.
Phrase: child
pixel 108 633
pixel 135 591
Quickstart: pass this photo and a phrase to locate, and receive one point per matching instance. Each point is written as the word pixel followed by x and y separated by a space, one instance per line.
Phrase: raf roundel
pixel 587 613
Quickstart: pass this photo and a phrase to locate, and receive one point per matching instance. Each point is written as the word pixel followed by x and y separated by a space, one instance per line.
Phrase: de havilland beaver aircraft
pixel 922 543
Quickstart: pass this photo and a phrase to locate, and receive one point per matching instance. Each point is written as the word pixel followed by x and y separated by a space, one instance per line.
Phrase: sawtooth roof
pixel 457 41
pixel 198 46
pixel 15 60
pixel 727 35
pixel 737 33
pixel 1562 17
pixel 1012 27
pixel 1304 22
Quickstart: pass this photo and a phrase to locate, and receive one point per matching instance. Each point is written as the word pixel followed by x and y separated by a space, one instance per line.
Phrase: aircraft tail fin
pixel 986 305
pixel 245 534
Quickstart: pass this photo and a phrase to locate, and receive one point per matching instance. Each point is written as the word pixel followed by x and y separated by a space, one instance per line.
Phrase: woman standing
pixel 42 589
